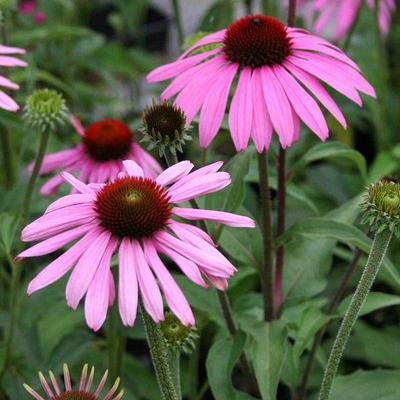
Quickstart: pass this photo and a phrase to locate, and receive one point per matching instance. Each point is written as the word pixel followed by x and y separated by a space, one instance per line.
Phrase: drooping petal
pixel 86 268
pixel 61 265
pixel 278 107
pixel 76 183
pixel 241 111
pixel 173 294
pixel 213 109
pixel 97 296
pixel 128 285
pixel 303 104
pixel 149 290
pixel 76 123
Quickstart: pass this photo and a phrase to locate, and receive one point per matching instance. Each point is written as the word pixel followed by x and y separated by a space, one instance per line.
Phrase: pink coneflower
pixel 27 7
pixel 40 17
pixel 98 158
pixel 342 14
pixel 83 392
pixel 136 215
pixel 278 69
pixel 6 102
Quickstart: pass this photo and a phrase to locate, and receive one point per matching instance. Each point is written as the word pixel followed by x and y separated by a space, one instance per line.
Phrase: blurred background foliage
pixel 97 53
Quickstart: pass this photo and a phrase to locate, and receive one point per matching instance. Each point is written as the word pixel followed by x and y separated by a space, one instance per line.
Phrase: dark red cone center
pixel 257 40
pixel 73 395
pixel 108 139
pixel 133 207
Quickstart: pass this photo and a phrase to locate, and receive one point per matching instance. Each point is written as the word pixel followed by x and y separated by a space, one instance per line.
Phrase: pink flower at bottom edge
pixel 98 158
pixel 134 216
pixel 279 71
pixel 83 392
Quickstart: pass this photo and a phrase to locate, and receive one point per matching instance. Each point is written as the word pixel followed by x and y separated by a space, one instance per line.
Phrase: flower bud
pixel 45 109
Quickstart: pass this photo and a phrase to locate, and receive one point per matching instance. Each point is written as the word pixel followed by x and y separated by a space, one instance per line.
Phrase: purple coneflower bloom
pixel 135 216
pixel 98 158
pixel 279 71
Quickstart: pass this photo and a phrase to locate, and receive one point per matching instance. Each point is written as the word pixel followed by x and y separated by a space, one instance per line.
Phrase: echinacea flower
pixel 341 15
pixel 6 102
pixel 136 215
pixel 83 392
pixel 98 158
pixel 279 70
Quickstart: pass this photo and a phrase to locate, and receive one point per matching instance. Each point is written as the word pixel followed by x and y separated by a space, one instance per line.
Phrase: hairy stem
pixel 267 265
pixel 160 358
pixel 376 256
pixel 331 309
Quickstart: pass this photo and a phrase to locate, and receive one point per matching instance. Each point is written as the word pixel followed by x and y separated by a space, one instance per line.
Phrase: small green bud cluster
pixel 382 206
pixel 164 126
pixel 176 335
pixel 45 109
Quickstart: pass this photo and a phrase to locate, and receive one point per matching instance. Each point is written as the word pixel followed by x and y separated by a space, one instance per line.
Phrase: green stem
pixel 376 256
pixel 44 138
pixel 178 21
pixel 115 345
pixel 13 312
pixel 160 357
pixel 267 265
pixel 175 363
pixel 8 157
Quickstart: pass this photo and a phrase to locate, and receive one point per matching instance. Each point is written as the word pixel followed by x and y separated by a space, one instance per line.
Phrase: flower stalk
pixel 267 265
pixel 377 254
pixel 178 21
pixel 161 359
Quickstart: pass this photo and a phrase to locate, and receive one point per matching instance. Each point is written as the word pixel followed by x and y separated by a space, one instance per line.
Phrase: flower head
pixel 138 216
pixel 98 158
pixel 176 335
pixel 279 70
pixel 45 109
pixel 341 15
pixel 164 125
pixel 382 205
pixel 83 392
pixel 6 102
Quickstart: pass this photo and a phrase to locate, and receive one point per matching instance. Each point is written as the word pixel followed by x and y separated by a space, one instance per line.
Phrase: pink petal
pixel 70 200
pixel 132 168
pixel 175 68
pixel 55 242
pixel 172 292
pixel 174 173
pixel 202 185
pixel 128 285
pixel 8 84
pixel 241 111
pixel 149 290
pixel 215 37
pixel 262 125
pixel 51 186
pixel 149 164
pixel 213 109
pixel 278 107
pixel 76 123
pixel 219 283
pixel 61 159
pixel 11 50
pixel 221 217
pixel 6 61
pixel 188 267
pixel 7 103
pixel 319 92
pixel 97 297
pixel 191 98
pixel 86 268
pixel 303 104
pixel 77 184
pixel 61 265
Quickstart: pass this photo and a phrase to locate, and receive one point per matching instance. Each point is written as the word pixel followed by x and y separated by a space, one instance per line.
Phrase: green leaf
pixel 8 230
pixel 221 359
pixel 375 301
pixel 333 150
pixel 268 349
pixel 367 385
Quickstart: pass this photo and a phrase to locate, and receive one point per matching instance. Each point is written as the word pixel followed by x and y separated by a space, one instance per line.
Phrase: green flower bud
pixel 176 335
pixel 382 205
pixel 45 109
pixel 164 126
